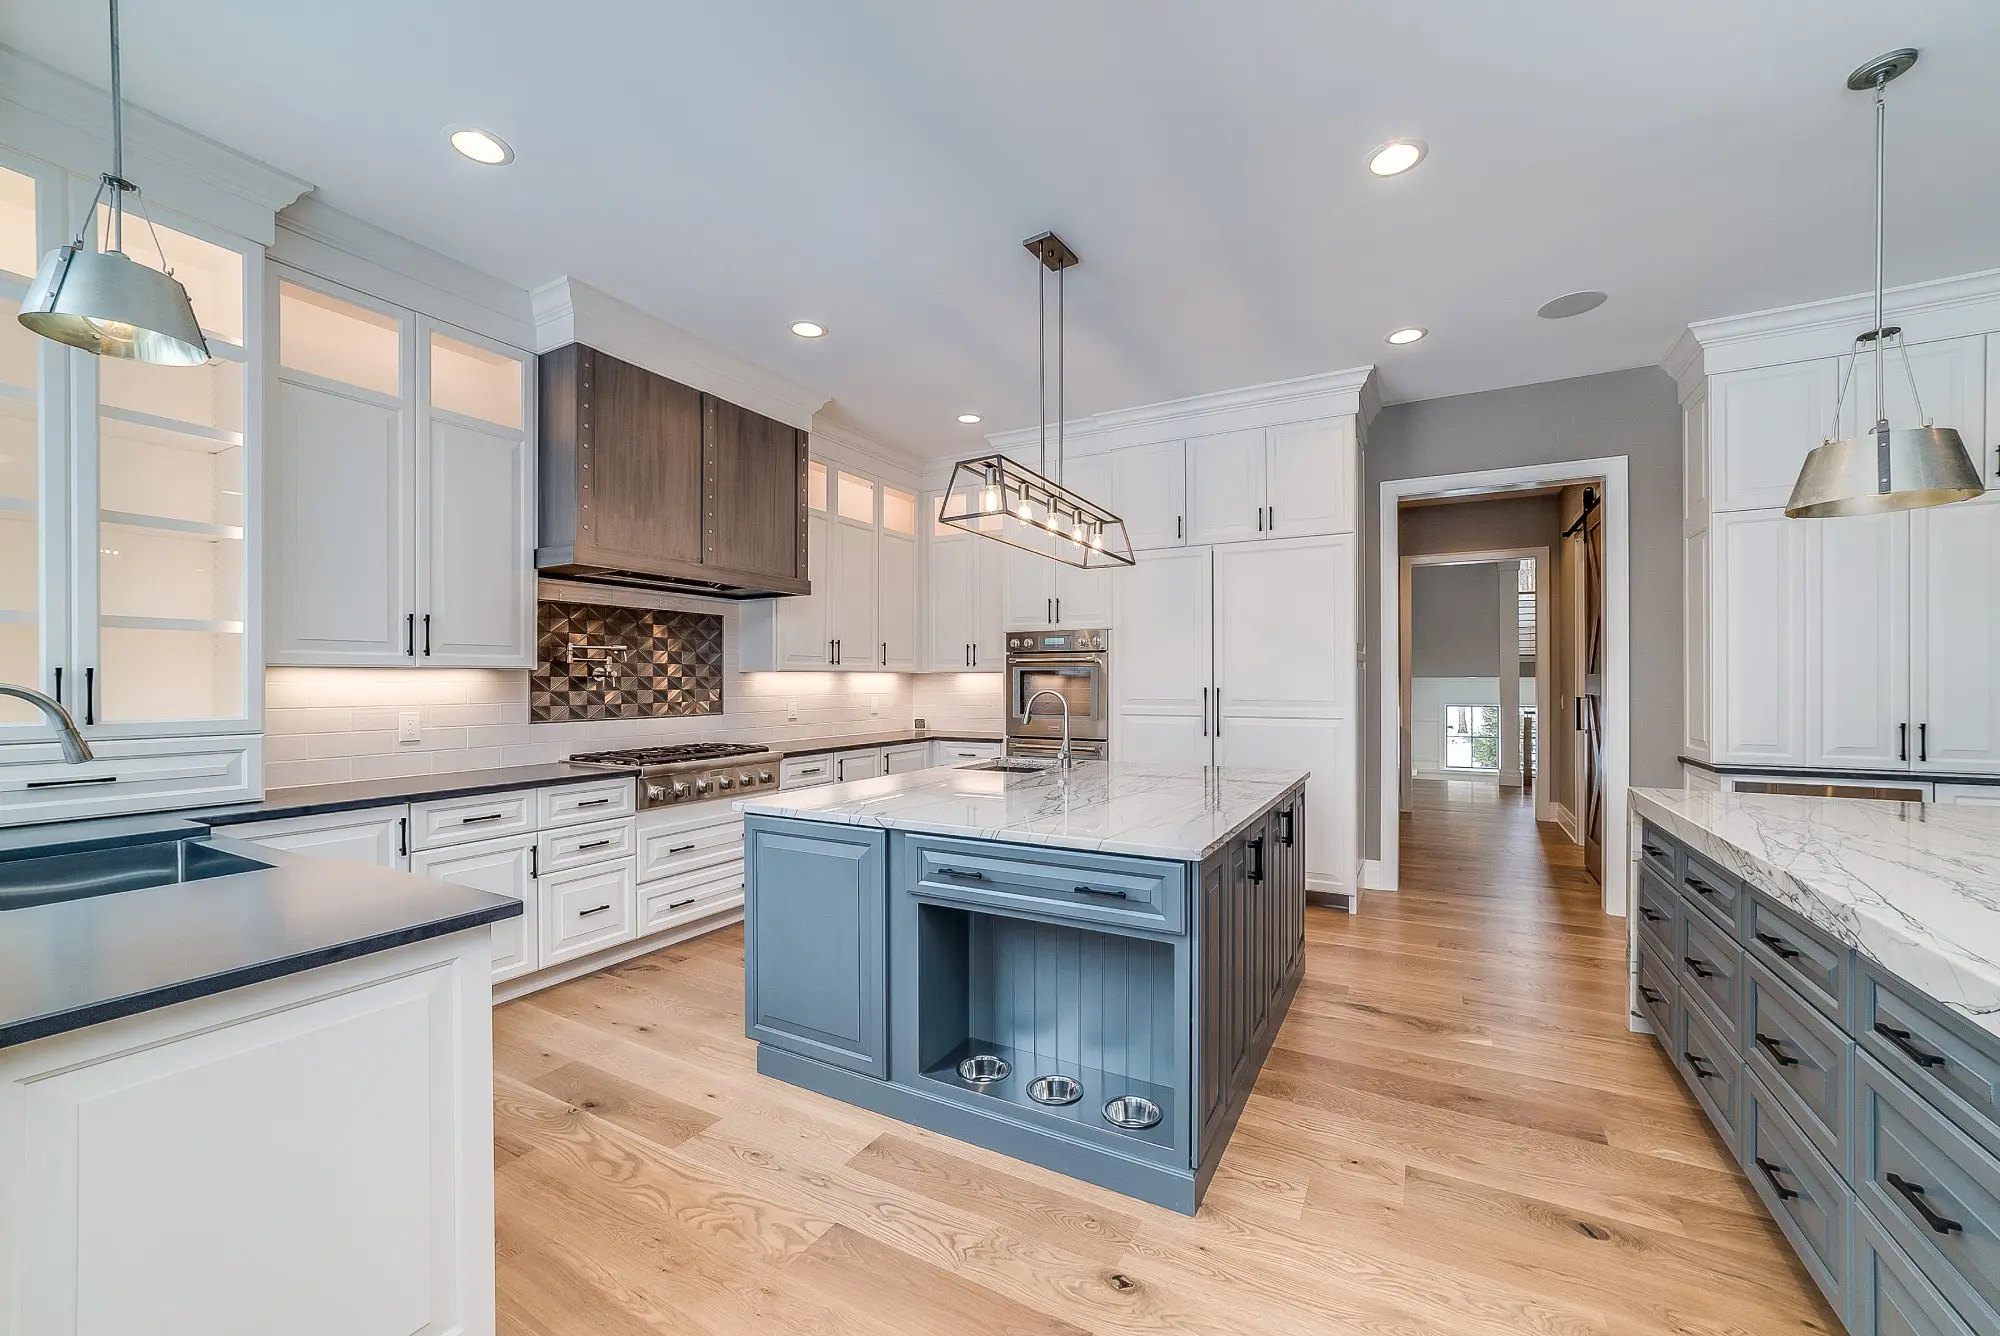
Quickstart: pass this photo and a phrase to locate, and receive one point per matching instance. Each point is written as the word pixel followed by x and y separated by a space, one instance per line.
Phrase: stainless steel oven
pixel 1074 664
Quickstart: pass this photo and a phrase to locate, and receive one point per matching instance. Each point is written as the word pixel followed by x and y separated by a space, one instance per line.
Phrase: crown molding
pixel 851 442
pixel 1942 308
pixel 1684 363
pixel 323 240
pixel 568 310
pixel 65 121
pixel 1352 393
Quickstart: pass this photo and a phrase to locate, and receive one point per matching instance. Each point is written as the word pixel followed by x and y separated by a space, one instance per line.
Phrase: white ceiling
pixel 875 164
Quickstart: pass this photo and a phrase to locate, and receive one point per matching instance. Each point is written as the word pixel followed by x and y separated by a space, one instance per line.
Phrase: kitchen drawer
pixel 1659 908
pixel 1946 1061
pixel 1933 1189
pixel 1802 1057
pixel 580 846
pixel 691 896
pixel 806 772
pixel 1660 852
pixel 1709 888
pixel 1658 992
pixel 957 753
pixel 1712 1069
pixel 575 804
pixel 1890 1296
pixel 671 851
pixel 461 820
pixel 1125 893
pixel 135 775
pixel 587 909
pixel 1711 971
pixel 1800 954
pixel 1805 1196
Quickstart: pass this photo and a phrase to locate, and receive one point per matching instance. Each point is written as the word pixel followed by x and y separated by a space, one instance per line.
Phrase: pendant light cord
pixel 1062 372
pixel 1042 361
pixel 1881 127
pixel 117 141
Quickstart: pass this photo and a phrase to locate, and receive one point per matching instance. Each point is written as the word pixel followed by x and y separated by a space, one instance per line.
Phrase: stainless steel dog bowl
pixel 1055 1090
pixel 1131 1112
pixel 984 1069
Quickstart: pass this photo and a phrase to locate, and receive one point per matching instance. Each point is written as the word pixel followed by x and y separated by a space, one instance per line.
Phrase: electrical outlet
pixel 409 727
pixel 792 711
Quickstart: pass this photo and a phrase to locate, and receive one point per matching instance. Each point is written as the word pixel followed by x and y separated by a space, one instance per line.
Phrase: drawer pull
pixel 595 844
pixel 1651 915
pixel 682 904
pixel 586 913
pixel 70 783
pixel 1108 893
pixel 679 849
pixel 1780 948
pixel 1776 1048
pixel 483 817
pixel 968 876
pixel 1698 967
pixel 810 770
pixel 1651 994
pixel 1654 851
pixel 594 802
pixel 1913 1193
pixel 1700 887
pixel 1700 1066
pixel 1901 1039
pixel 1771 1172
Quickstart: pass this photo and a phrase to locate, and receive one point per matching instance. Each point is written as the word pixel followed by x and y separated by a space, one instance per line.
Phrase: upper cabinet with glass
pixel 21 594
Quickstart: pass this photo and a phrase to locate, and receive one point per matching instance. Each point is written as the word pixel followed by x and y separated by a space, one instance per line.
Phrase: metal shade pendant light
pixel 105 302
pixel 1886 469
pixel 995 497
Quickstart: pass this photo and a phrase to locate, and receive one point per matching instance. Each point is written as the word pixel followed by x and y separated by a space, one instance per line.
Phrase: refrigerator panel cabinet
pixel 1858 640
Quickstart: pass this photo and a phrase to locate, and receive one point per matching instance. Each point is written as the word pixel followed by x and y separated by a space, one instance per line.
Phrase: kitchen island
pixel 1824 973
pixel 1083 968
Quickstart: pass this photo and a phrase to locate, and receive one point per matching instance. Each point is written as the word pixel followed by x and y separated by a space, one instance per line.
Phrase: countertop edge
pixel 420 788
pixel 1835 775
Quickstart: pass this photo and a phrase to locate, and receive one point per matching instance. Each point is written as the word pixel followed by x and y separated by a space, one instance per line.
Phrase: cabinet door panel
pixel 1764 424
pixel 753 472
pixel 989 595
pixel 1162 664
pixel 1951 380
pixel 498 867
pixel 1325 748
pixel 1225 487
pixel 1031 590
pixel 1857 639
pixel 1083 597
pixel 1957 636
pixel 948 603
pixel 816 943
pixel 476 563
pixel 1280 651
pixel 1311 478
pixel 896 588
pixel 341 529
pixel 1149 492
pixel 1758 591
pixel 854 595
pixel 805 622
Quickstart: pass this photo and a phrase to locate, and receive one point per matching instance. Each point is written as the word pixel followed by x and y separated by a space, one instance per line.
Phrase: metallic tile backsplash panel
pixel 597 661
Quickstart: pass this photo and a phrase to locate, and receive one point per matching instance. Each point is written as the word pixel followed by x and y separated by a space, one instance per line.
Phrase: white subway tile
pixel 395 764
pixel 379 743
pixel 292 774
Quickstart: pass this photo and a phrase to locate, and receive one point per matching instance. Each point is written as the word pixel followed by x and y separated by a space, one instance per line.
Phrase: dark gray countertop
pixel 115 832
pixel 314 799
pixel 76 963
pixel 856 742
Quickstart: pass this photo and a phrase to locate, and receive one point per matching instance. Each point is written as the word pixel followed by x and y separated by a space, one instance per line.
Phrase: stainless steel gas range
pixel 692 772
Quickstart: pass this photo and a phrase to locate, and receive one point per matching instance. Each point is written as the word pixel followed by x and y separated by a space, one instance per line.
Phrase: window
pixel 1524 608
pixel 1472 737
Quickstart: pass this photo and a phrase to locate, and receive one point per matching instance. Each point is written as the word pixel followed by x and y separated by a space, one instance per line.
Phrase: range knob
pixel 763 777
pixel 657 794
pixel 680 790
pixel 746 779
pixel 701 786
pixel 722 781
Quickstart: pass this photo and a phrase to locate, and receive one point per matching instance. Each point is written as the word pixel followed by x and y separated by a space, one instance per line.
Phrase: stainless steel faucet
pixel 1062 755
pixel 75 750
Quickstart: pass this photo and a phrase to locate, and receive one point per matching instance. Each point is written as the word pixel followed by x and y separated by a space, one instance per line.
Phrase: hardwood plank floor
pixel 1455 1134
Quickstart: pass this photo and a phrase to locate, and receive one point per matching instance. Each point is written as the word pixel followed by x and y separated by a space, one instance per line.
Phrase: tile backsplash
pixel 607 661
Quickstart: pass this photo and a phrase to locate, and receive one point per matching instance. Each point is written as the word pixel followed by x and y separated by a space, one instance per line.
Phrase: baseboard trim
pixel 1374 877
pixel 1567 820
pixel 616 955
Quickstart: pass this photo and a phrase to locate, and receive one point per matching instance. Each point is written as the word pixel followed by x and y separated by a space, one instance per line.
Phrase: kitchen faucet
pixel 1063 755
pixel 75 750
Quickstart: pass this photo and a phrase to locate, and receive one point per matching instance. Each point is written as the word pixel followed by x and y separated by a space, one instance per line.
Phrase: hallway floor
pixel 1455 1134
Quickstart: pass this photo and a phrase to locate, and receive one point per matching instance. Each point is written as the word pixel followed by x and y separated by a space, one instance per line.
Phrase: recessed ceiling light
pixel 1397 156
pixel 1410 335
pixel 1569 304
pixel 968 418
pixel 808 329
pixel 482 146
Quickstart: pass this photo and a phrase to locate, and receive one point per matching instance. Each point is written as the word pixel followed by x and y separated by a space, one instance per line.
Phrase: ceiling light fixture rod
pixel 1881 404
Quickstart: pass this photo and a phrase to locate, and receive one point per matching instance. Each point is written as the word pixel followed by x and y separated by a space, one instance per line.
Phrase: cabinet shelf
pixel 117 623
pixel 125 519
pixel 223 437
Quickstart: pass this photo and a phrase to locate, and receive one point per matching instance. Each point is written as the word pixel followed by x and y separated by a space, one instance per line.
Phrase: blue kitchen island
pixel 1083 968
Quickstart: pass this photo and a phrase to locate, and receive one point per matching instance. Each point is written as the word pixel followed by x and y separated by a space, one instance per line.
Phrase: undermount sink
pixel 78 876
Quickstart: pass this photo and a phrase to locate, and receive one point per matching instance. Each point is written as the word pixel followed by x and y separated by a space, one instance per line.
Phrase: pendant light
pixel 995 497
pixel 1886 469
pixel 105 302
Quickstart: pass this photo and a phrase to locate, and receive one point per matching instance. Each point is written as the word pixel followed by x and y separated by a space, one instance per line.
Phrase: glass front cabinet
pixel 129 528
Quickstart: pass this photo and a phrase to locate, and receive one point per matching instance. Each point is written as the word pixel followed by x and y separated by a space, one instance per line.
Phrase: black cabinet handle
pixel 410 634
pixel 1654 850
pixel 969 876
pixel 1901 1039
pixel 1049 611
pixel 70 783
pixel 680 848
pixel 1771 1172
pixel 1923 742
pixel 1651 994
pixel 1204 711
pixel 1177 526
pixel 402 837
pixel 59 699
pixel 480 819
pixel 1260 519
pixel 682 904
pixel 427 635
pixel 1700 887
pixel 1700 1066
pixel 1109 893
pixel 1698 967
pixel 1256 870
pixel 594 844
pixel 1779 947
pixel 1776 1048
pixel 534 862
pixel 586 913
pixel 1218 712
pixel 1290 817
pixel 1058 612
pixel 1902 742
pixel 1651 915
pixel 1913 1193
pixel 593 802
pixel 89 696
pixel 885 652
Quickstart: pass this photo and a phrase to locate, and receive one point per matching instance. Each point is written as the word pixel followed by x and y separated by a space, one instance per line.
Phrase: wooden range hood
pixel 647 483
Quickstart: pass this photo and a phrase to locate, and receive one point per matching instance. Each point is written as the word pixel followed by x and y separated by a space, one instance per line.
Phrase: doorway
pixel 1585 716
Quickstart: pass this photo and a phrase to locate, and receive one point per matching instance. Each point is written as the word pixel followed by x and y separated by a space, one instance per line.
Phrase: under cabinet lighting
pixel 1397 156
pixel 482 146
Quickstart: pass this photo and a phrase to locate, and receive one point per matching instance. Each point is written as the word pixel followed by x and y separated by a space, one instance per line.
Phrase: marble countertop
pixel 1180 812
pixel 1915 887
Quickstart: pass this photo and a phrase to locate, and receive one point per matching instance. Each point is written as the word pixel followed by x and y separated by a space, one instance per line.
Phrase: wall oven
pixel 1077 666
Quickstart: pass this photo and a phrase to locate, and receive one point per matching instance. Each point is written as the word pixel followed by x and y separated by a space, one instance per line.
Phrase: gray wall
pixel 1631 413
pixel 1487 525
pixel 1455 621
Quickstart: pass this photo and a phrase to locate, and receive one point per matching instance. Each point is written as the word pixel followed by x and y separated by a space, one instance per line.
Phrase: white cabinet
pixel 587 909
pixel 853 588
pixel 863 764
pixel 896 583
pixel 1042 592
pixel 378 835
pixel 1163 667
pixel 1149 492
pixel 403 476
pixel 806 772
pixel 910 756
pixel 944 752
pixel 1955 637
pixel 964 587
pixel 1225 487
pixel 1758 601
pixel 499 867
pixel 1857 617
pixel 1951 389
pixel 1970 795
pixel 1294 480
pixel 1762 424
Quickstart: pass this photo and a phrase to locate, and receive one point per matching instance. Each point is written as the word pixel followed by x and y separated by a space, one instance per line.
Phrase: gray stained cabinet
pixel 816 942
pixel 645 479
pixel 1865 1115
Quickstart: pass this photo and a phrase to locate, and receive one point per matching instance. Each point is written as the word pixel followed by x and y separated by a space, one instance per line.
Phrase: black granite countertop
pixel 75 963
pixel 895 737
pixel 314 799
pixel 113 832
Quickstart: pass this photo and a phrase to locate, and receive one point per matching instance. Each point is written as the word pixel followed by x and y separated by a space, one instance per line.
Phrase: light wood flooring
pixel 1455 1134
